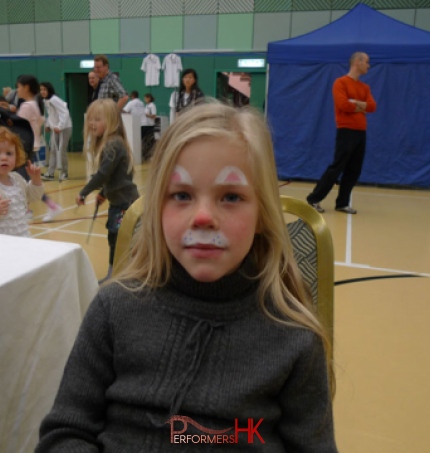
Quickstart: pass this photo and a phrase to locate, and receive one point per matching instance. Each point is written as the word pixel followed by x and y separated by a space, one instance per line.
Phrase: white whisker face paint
pixel 206 237
pixel 181 176
pixel 231 176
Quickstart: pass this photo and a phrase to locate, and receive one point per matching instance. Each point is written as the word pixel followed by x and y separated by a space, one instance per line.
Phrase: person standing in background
pixel 32 110
pixel 189 92
pixel 109 83
pixel 148 139
pixel 59 124
pixel 352 100
pixel 136 107
pixel 93 81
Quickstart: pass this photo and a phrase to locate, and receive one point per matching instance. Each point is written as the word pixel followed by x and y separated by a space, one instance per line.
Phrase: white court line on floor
pixel 382 269
pixel 50 230
pixel 372 194
pixel 70 232
pixel 348 244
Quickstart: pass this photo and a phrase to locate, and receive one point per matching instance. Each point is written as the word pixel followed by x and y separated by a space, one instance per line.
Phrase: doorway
pixel 241 88
pixel 78 96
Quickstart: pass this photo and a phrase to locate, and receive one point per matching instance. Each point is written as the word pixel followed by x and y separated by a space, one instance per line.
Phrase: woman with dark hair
pixel 58 122
pixel 31 109
pixel 148 139
pixel 189 92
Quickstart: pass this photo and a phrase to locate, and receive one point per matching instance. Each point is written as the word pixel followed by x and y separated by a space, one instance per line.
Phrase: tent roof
pixel 364 29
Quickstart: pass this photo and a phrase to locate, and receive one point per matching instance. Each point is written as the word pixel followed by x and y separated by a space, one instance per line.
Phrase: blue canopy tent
pixel 300 103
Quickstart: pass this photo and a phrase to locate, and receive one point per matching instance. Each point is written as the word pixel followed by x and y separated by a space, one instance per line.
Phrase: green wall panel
pixel 51 70
pixel 271 6
pixel 200 7
pixel 20 11
pixel 166 34
pixel 104 9
pixel 23 66
pixel 270 27
pixel 166 8
pixel 47 10
pixel 200 32
pixel 48 38
pixel 75 9
pixel 22 38
pixel 135 35
pixel 76 37
pixel 391 4
pixel 135 8
pixel 238 6
pixel 4 39
pixel 311 5
pixel 104 36
pixel 347 4
pixel 131 76
pixel 6 78
pixel 72 64
pixel 4 19
pixel 235 31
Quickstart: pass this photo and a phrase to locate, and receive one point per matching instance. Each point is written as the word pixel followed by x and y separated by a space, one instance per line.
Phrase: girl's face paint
pixel 210 212
pixel 204 237
pixel 181 176
pixel 231 176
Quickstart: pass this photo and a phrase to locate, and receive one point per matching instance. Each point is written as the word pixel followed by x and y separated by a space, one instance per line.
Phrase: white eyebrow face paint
pixel 206 237
pixel 231 176
pixel 181 176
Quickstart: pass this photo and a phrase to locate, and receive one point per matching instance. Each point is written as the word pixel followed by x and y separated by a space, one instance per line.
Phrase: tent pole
pixel 267 90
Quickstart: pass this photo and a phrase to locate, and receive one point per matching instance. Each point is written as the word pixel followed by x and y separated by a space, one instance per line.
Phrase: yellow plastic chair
pixel 313 250
pixel 124 243
pixel 310 238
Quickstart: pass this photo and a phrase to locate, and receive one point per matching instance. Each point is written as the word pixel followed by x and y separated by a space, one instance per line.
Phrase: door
pixel 242 88
pixel 77 98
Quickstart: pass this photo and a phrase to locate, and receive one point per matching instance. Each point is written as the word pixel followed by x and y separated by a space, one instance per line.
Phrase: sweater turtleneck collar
pixel 232 286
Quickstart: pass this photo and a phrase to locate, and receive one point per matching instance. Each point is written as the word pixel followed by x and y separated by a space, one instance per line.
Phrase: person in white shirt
pixel 148 130
pixel 147 114
pixel 59 123
pixel 136 107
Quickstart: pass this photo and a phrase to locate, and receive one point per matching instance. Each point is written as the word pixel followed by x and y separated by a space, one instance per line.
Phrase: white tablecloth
pixel 45 289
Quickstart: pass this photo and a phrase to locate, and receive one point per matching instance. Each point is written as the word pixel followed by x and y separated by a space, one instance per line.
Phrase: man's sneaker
pixel 47 177
pixel 64 177
pixel 52 213
pixel 317 207
pixel 347 210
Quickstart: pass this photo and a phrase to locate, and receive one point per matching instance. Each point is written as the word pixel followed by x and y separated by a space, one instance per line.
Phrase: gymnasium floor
pixel 382 362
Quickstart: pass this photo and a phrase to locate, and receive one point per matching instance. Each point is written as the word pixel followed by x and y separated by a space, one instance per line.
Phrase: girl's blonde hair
pixel 107 111
pixel 282 293
pixel 7 136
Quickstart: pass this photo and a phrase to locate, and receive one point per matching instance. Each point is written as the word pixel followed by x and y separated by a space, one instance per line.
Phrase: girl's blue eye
pixel 181 196
pixel 232 198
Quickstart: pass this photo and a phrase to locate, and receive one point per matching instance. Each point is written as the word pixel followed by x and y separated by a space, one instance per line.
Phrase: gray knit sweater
pixel 112 175
pixel 201 350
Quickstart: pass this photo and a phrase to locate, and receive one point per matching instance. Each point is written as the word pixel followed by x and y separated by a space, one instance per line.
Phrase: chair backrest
pixel 310 237
pixel 313 250
pixel 124 243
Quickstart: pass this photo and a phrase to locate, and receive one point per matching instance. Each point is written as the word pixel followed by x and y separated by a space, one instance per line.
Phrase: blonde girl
pixel 210 323
pixel 15 192
pixel 107 146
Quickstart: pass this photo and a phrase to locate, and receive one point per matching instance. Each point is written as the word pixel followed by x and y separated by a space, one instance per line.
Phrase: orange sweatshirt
pixel 345 88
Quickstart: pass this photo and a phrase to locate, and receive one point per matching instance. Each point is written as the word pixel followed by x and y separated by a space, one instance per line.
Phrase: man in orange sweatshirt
pixel 352 100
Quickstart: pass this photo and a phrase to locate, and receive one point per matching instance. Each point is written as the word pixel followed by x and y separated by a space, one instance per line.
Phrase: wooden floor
pixel 382 336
